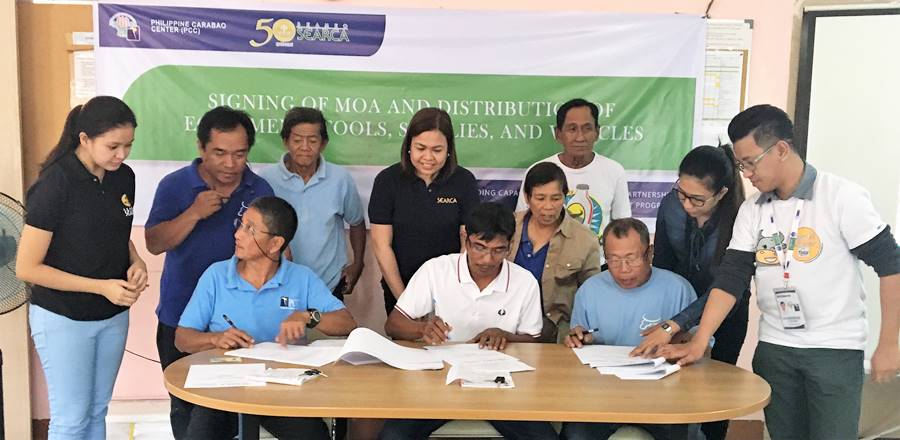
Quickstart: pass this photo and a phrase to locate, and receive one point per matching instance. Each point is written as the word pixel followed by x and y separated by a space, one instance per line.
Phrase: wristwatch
pixel 314 318
pixel 666 328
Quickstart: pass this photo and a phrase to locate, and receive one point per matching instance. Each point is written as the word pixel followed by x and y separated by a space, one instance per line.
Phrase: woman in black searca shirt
pixel 77 252
pixel 418 206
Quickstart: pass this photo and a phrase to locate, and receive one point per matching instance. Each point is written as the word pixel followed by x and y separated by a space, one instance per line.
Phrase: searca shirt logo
pixel 285 32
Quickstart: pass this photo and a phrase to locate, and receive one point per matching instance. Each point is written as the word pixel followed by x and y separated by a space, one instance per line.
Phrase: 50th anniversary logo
pixel 233 30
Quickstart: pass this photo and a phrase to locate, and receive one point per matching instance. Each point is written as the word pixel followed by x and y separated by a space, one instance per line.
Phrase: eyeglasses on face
pixel 479 248
pixel 697 201
pixel 630 261
pixel 750 165
pixel 249 227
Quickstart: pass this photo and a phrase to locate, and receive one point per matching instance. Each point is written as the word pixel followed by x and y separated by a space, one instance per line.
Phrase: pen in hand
pixel 243 334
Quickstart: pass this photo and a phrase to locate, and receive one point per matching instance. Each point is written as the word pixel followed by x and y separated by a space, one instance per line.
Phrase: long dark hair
pixel 714 166
pixel 427 119
pixel 95 117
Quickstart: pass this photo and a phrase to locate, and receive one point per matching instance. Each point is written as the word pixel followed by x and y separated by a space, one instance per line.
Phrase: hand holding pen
pixel 231 338
pixel 578 336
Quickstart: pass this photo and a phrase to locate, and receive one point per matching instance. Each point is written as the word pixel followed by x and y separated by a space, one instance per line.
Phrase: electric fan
pixel 13 292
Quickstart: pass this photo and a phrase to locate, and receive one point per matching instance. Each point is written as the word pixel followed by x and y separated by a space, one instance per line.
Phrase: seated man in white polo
pixel 620 303
pixel 258 296
pixel 477 296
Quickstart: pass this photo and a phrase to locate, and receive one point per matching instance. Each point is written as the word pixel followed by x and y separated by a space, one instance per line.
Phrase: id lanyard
pixel 783 250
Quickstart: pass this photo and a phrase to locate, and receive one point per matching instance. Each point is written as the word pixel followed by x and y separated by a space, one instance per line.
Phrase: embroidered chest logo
pixel 501 312
pixel 127 208
pixel 648 322
pixel 446 200
pixel 805 248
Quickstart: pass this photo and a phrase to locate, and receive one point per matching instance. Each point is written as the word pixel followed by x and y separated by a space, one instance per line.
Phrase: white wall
pixel 854 127
pixel 13 328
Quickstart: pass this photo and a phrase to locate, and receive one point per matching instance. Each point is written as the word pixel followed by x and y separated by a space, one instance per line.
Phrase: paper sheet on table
pixel 641 372
pixel 364 344
pixel 469 377
pixel 292 354
pixel 224 375
pixel 611 356
pixel 286 376
pixel 472 356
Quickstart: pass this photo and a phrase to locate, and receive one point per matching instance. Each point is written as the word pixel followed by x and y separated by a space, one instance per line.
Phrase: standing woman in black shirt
pixel 77 252
pixel 418 206
pixel 693 229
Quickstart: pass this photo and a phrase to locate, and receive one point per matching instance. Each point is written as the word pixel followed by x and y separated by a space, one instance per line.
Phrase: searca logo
pixel 285 32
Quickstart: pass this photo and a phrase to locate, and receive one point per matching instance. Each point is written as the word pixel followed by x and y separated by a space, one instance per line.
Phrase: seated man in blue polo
pixel 620 303
pixel 267 298
pixel 478 297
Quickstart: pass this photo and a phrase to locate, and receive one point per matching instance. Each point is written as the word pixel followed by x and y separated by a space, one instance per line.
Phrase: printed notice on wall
pixel 83 84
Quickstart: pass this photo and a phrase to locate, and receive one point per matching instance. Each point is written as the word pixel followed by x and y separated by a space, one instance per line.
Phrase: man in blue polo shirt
pixel 266 298
pixel 620 303
pixel 324 196
pixel 193 220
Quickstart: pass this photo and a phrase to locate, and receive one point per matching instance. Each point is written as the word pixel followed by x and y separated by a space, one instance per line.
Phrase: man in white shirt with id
pixel 801 238
pixel 477 296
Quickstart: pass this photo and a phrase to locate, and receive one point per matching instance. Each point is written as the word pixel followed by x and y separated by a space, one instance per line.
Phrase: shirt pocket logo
pixel 446 200
pixel 127 208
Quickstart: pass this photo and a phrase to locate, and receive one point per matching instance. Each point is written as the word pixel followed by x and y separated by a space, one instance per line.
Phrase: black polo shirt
pixel 425 219
pixel 91 225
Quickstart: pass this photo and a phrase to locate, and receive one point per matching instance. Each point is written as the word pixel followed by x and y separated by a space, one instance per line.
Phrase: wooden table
pixel 561 389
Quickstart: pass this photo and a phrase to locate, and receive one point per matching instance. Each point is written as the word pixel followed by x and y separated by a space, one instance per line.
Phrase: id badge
pixel 788 302
pixel 288 303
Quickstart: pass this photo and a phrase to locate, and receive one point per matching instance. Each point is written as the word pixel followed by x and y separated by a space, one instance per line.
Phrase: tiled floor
pixel 149 420
pixel 138 420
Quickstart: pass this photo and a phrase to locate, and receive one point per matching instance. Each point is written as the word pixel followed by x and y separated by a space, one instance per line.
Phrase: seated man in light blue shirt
pixel 620 303
pixel 258 296
pixel 324 196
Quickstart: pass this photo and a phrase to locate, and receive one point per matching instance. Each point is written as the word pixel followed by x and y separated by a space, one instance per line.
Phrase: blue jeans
pixel 81 360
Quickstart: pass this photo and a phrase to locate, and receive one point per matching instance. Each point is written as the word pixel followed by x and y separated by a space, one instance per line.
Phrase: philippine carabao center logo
pixel 126 26
pixel 584 208
pixel 285 32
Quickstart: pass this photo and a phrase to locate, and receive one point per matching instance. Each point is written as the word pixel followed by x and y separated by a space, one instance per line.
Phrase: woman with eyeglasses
pixel 693 229
pixel 558 250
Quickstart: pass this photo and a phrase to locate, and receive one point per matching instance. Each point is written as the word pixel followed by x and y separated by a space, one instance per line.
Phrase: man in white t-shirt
pixel 801 238
pixel 477 297
pixel 598 186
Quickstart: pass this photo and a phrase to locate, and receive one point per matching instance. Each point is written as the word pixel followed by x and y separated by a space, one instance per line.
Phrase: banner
pixel 500 75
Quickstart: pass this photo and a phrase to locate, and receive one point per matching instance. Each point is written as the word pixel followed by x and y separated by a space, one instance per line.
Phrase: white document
pixel 364 344
pixel 224 375
pixel 641 372
pixel 611 356
pixel 472 356
pixel 328 342
pixel 292 354
pixel 286 376
pixel 469 377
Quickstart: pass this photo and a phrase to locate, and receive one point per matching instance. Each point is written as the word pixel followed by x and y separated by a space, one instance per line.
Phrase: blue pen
pixel 229 321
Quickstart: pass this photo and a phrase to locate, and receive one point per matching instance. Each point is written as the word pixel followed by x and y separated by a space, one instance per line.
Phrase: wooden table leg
pixel 248 427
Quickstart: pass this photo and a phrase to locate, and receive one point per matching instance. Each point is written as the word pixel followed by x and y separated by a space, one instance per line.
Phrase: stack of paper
pixel 364 345
pixel 291 354
pixel 611 359
pixel 641 372
pixel 477 378
pixel 224 375
pixel 478 358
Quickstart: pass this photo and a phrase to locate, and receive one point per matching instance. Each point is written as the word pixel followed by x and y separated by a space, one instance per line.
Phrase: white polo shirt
pixel 837 215
pixel 443 285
